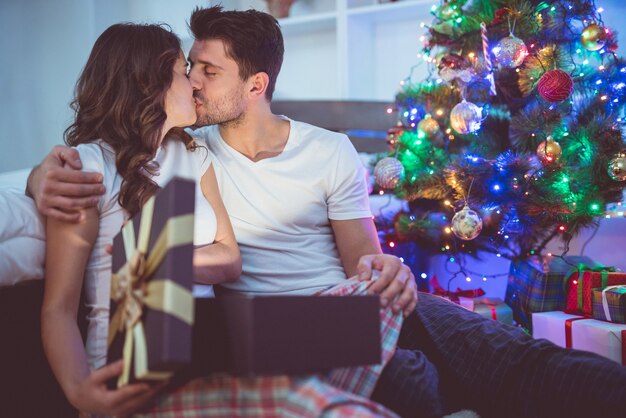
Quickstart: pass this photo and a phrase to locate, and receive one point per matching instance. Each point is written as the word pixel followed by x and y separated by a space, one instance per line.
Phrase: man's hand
pixel 396 283
pixel 60 189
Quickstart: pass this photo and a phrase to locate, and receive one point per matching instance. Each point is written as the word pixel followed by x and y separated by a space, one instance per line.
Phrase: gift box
pixel 583 280
pixel 273 335
pixel 539 285
pixel 152 308
pixel 582 333
pixel 492 308
pixel 603 338
pixel 555 326
pixel 609 304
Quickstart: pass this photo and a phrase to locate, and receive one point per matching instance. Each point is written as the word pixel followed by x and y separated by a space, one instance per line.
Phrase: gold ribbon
pixel 133 286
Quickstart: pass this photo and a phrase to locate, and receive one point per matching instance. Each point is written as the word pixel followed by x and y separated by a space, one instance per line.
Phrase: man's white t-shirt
pixel 281 207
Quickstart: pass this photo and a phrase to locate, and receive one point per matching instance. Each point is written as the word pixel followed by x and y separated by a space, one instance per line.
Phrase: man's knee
pixel 409 385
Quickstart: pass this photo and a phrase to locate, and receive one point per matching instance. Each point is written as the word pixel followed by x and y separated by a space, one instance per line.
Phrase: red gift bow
pixel 454 296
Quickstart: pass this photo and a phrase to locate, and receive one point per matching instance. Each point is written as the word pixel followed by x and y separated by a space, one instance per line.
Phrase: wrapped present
pixel 493 308
pixel 582 333
pixel 583 280
pixel 555 326
pixel 273 335
pixel 454 295
pixel 609 304
pixel 539 285
pixel 603 338
pixel 152 307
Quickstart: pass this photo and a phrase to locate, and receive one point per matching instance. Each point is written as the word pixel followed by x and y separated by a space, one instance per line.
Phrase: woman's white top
pixel 174 160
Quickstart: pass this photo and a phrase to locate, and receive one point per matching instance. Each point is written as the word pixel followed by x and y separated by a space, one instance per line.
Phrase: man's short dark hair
pixel 252 38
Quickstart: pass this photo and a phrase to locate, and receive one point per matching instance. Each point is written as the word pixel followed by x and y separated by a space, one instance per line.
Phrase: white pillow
pixel 22 238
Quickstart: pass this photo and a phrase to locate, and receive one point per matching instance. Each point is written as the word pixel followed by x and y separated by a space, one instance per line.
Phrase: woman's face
pixel 179 104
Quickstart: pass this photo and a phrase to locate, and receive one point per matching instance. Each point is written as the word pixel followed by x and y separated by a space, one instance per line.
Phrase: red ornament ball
pixel 555 86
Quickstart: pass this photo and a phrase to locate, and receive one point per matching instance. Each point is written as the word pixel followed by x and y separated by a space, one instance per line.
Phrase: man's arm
pixel 60 189
pixel 360 252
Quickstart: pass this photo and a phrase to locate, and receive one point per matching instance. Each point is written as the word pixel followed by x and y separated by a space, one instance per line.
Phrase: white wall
pixel 44 45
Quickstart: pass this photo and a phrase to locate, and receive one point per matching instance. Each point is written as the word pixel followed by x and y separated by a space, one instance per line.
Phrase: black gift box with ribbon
pixel 152 308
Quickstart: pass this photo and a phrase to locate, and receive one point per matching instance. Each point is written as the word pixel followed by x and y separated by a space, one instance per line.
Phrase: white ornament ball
pixel 466 117
pixel 388 173
pixel 467 224
pixel 510 52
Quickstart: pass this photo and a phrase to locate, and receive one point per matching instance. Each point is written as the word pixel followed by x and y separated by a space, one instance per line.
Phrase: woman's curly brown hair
pixel 120 98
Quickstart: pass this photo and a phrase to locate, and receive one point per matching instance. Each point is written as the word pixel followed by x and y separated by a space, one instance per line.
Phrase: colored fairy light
pixel 447 230
pixel 413 111
pixel 402 259
pixel 549 254
pixel 405 114
pixel 598 82
pixel 484 279
pixel 447 248
pixel 468 279
pixel 381 192
pixel 498 255
pixel 392 244
pixel 389 110
pixel 586 62
pixel 496 187
pixel 562 228
pixel 423 275
pixel 452 259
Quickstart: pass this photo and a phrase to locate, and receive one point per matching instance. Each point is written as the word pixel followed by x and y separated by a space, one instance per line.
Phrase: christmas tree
pixel 516 137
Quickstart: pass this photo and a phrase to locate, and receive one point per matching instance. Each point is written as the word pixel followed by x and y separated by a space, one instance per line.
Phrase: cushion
pixel 22 238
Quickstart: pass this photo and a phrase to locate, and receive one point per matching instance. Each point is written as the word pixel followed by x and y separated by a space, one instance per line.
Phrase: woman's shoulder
pixel 96 156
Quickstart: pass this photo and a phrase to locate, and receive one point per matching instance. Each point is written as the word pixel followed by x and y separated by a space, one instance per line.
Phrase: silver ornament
pixel 388 173
pixel 617 167
pixel 466 117
pixel 467 224
pixel 510 52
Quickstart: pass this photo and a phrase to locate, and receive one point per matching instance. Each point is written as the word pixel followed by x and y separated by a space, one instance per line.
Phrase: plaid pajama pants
pixel 339 393
pixel 497 370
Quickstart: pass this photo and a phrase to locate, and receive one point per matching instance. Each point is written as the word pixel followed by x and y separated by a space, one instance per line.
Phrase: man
pixel 298 204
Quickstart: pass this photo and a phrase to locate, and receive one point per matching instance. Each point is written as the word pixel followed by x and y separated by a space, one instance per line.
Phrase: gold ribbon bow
pixel 133 287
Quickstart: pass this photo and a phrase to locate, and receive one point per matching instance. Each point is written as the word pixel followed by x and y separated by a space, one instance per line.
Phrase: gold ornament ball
pixel 617 167
pixel 467 224
pixel 593 37
pixel 466 117
pixel 549 151
pixel 429 126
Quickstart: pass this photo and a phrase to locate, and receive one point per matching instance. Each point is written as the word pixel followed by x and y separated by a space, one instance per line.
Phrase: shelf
pixel 295 25
pixel 388 12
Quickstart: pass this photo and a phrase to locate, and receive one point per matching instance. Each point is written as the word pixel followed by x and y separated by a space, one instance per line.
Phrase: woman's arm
pixel 67 251
pixel 221 261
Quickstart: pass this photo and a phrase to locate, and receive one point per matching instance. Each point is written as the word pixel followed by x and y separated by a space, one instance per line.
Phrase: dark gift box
pixel 152 306
pixel 273 335
pixel 539 285
pixel 609 304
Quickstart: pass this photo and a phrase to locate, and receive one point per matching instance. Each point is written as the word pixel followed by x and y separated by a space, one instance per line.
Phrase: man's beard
pixel 227 111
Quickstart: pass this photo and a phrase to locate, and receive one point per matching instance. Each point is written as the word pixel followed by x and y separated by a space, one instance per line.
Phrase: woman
pixel 131 97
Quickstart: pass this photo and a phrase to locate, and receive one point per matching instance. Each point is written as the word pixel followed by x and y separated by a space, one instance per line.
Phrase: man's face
pixel 218 91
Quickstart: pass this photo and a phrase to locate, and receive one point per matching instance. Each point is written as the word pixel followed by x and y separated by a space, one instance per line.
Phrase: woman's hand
pixel 93 396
